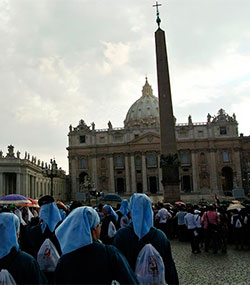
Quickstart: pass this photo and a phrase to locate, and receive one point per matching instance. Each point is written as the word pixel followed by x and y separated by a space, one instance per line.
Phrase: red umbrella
pixel 180 203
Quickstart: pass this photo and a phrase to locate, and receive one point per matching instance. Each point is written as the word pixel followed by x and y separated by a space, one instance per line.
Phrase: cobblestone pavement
pixel 232 267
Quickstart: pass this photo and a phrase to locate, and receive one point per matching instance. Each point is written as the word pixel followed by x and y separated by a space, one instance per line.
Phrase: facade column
pixel 160 175
pixel 94 171
pixel 144 174
pixel 133 177
pixel 127 174
pixel 18 183
pixel 111 175
pixel 73 177
pixel 213 172
pixel 195 175
pixel 2 192
pixel 238 169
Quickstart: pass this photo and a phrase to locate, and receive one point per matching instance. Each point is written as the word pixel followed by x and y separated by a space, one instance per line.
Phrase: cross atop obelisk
pixel 169 157
pixel 158 19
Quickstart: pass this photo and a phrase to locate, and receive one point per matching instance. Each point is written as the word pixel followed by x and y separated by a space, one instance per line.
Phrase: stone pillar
pixel 213 172
pixel 2 192
pixel 74 177
pixel 111 175
pixel 127 174
pixel 94 171
pixel 133 176
pixel 160 176
pixel 237 168
pixel 195 174
pixel 18 183
pixel 144 174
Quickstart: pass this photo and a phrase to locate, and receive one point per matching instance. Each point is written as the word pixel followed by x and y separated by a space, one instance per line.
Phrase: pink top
pixel 213 218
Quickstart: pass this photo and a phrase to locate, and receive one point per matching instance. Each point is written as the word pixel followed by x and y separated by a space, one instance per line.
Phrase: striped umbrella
pixel 14 199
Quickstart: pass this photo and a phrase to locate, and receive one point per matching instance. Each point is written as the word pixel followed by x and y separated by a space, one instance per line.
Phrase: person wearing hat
pixel 49 219
pixel 84 259
pixel 132 238
pixel 21 266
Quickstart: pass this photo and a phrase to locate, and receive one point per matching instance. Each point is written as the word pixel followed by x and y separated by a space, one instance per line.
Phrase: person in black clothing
pixel 49 219
pixel 110 216
pixel 22 266
pixel 132 238
pixel 84 260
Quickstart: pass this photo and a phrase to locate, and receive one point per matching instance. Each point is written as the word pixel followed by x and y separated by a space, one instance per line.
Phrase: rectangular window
pixel 119 161
pixel 151 160
pixel 184 157
pixel 200 134
pixel 225 156
pixel 82 139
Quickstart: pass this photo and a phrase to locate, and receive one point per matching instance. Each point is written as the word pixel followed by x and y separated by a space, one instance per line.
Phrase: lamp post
pixel 51 172
pixel 89 186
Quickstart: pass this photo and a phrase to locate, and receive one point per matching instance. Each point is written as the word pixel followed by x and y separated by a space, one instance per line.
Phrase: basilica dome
pixel 145 111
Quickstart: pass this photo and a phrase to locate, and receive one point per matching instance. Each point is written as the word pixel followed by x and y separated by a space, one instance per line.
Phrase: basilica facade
pixel 127 160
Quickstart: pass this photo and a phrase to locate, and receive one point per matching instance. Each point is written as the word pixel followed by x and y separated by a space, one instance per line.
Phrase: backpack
pixel 238 223
pixel 149 268
pixel 124 221
pixel 111 230
pixel 6 278
pixel 47 256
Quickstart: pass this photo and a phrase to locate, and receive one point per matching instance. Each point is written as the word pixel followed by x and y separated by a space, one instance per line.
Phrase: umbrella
pixel 32 203
pixel 14 199
pixel 180 203
pixel 111 197
pixel 235 207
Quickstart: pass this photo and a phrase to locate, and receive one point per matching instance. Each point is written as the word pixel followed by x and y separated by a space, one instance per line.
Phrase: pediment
pixel 147 138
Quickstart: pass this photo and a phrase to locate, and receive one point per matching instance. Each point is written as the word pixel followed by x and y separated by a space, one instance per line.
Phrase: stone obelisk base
pixel 171 193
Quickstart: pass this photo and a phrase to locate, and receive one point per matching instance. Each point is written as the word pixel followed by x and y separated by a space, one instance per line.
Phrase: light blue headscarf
pixel 63 214
pixel 75 231
pixel 111 211
pixel 124 209
pixel 142 214
pixel 50 215
pixel 9 227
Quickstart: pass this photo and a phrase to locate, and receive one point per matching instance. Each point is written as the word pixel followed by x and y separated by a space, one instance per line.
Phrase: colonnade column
pixel 144 174
pixel 18 184
pixel 194 172
pixel 133 177
pixel 2 192
pixel 127 173
pixel 111 175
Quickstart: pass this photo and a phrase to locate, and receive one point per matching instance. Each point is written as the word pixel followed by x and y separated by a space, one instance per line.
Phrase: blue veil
pixel 142 214
pixel 75 231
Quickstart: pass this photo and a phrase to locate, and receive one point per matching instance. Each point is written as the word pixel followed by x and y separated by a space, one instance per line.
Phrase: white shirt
pixel 164 215
pixel 197 220
pixel 189 221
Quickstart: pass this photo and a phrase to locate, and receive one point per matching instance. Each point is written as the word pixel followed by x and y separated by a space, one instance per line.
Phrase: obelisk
pixel 169 158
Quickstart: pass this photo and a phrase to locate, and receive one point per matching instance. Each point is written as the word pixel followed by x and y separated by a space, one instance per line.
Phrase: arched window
pixel 202 157
pixel 137 160
pixel 83 163
pixel 103 163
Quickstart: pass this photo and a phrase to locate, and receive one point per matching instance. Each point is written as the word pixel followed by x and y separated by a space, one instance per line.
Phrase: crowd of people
pixel 101 245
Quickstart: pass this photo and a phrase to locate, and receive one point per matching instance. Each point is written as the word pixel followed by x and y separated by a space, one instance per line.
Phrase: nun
pixel 84 259
pixel 50 218
pixel 109 216
pixel 23 267
pixel 123 214
pixel 132 238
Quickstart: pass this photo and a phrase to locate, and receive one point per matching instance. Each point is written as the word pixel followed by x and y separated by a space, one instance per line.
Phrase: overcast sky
pixel 66 60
